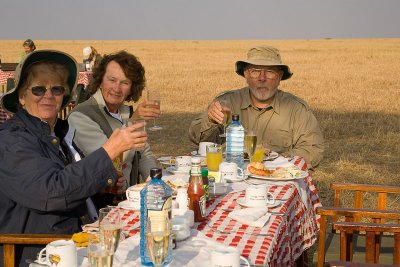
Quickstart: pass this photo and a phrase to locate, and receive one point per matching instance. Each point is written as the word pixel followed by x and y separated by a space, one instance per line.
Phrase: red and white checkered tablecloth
pixel 292 228
pixel 83 77
pixel 4 75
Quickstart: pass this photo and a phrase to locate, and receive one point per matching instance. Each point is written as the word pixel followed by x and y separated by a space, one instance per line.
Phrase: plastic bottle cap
pixel 235 117
pixel 155 173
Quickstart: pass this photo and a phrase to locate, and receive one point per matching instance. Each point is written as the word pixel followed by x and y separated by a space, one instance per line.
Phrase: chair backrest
pixel 372 233
pixel 357 211
pixel 382 192
pixel 9 241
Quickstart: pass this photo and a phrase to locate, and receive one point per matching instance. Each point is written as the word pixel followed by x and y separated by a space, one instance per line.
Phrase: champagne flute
pixel 154 95
pixel 227 110
pixel 98 254
pixel 110 227
pixel 250 143
pixel 158 239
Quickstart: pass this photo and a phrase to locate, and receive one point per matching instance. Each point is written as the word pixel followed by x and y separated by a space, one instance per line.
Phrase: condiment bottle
pixel 204 175
pixel 196 192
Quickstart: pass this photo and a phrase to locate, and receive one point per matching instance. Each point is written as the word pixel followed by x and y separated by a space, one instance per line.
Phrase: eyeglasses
pixel 269 74
pixel 41 90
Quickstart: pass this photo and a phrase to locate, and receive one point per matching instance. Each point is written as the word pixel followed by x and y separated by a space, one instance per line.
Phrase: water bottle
pixel 155 201
pixel 235 142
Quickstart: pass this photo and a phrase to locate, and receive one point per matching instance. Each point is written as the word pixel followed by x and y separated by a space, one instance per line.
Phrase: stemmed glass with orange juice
pixel 258 155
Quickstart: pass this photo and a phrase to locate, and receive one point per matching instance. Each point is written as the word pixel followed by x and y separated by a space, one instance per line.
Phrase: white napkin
pixel 91 227
pixel 256 217
pixel 278 162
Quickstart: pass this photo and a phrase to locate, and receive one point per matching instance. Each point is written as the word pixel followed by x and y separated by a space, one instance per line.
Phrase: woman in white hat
pixel 43 189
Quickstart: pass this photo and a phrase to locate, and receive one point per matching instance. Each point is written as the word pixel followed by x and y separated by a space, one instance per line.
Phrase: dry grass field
pixel 352 86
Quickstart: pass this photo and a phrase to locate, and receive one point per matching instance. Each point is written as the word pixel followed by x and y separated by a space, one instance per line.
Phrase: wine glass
pixel 110 227
pixel 250 143
pixel 227 110
pixel 158 239
pixel 154 95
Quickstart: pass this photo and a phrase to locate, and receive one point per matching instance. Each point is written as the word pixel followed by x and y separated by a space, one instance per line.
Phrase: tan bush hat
pixel 263 56
pixel 10 101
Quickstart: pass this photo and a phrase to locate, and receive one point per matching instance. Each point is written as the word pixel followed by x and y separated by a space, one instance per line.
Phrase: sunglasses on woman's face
pixel 41 90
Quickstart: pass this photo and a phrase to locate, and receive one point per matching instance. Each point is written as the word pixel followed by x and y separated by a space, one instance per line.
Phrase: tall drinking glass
pixel 110 227
pixel 250 143
pixel 227 110
pixel 154 95
pixel 99 254
pixel 157 239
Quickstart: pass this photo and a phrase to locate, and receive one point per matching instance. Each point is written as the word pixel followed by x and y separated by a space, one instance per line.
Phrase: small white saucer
pixel 173 170
pixel 126 205
pixel 230 180
pixel 242 202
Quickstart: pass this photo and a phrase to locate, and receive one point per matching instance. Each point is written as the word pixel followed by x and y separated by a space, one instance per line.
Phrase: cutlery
pixel 33 263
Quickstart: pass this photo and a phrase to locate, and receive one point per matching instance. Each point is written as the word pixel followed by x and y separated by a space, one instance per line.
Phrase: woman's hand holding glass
pixel 148 110
pixel 123 139
pixel 154 97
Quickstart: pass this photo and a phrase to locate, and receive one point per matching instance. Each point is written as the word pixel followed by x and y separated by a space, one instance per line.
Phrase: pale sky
pixel 198 19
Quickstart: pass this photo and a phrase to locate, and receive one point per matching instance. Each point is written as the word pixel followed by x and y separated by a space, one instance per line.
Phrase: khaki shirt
pixel 287 126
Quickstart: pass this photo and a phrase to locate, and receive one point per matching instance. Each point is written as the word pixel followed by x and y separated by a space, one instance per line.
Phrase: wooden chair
pixel 356 212
pixel 355 264
pixel 9 241
pixel 373 232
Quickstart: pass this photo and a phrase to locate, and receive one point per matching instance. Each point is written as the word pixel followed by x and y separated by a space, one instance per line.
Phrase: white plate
pixel 126 205
pixel 242 202
pixel 173 170
pixel 230 180
pixel 170 161
pixel 303 174
pixel 271 156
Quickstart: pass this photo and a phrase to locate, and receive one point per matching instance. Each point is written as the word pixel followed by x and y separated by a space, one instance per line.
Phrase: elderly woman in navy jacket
pixel 45 187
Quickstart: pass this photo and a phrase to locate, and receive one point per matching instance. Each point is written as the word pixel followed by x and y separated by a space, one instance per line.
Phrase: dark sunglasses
pixel 41 90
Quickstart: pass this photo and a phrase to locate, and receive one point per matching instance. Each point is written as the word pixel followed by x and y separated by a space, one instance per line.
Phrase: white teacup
pixel 203 148
pixel 133 196
pixel 60 253
pixel 258 196
pixel 230 171
pixel 226 257
pixel 183 163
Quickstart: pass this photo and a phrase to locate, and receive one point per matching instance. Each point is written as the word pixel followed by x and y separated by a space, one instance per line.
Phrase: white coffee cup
pixel 230 171
pixel 183 163
pixel 226 257
pixel 258 196
pixel 60 253
pixel 133 196
pixel 203 148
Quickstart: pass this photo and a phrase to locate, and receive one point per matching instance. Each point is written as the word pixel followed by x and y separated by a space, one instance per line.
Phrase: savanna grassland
pixel 352 86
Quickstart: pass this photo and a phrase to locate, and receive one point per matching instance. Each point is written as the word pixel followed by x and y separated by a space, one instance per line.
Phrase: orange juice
pixel 258 155
pixel 214 159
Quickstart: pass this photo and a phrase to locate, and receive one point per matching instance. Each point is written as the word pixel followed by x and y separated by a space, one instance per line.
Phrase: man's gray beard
pixel 258 96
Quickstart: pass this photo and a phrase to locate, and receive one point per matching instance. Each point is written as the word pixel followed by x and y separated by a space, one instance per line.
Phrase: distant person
pixel 282 122
pixel 29 47
pixel 91 56
pixel 118 78
pixel 43 189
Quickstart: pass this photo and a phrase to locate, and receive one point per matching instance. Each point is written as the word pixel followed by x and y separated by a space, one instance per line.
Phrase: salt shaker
pixel 182 199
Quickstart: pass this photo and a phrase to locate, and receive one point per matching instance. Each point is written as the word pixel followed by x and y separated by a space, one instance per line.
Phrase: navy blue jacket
pixel 42 190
